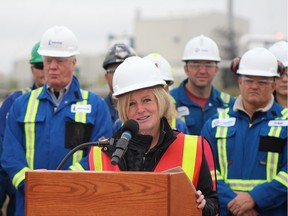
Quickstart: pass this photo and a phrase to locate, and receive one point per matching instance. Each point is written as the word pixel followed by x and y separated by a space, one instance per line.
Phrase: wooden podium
pixel 72 193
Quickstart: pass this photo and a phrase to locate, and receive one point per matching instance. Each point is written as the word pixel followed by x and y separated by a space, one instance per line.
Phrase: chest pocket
pixel 77 133
pixel 272 143
pixel 78 128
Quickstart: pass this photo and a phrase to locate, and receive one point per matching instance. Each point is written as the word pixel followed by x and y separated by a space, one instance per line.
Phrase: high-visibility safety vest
pixel 186 151
pixel 29 127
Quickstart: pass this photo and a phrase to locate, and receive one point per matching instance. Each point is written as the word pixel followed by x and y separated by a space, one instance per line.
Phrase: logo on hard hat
pixel 55 44
pixel 201 50
pixel 121 53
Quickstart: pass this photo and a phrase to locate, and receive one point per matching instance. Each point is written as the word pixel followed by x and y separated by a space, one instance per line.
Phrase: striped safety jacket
pixel 192 113
pixel 251 156
pixel 39 134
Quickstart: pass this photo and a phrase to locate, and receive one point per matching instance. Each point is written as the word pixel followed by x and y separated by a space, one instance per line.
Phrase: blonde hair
pixel 166 108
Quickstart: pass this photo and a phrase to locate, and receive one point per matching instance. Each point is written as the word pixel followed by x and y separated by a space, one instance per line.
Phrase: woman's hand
pixel 200 200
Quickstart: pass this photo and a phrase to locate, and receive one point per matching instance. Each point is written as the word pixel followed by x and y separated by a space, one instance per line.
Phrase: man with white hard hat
pixel 196 98
pixel 249 142
pixel 46 123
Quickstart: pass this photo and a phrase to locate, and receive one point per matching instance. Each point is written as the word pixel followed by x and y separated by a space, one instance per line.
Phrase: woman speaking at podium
pixel 139 89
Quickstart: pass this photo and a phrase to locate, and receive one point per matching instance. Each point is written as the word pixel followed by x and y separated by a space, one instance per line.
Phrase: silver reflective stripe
pixel 243 184
pixel 221 134
pixel 29 125
pixel 225 97
pixel 272 157
pixel 282 177
pixel 19 177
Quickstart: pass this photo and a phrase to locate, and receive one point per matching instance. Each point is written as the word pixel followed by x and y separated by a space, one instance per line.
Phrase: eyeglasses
pixel 197 65
pixel 249 81
pixel 38 66
pixel 110 70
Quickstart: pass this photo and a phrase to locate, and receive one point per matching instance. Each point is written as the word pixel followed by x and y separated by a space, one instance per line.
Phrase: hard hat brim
pixel 52 53
pixel 261 73
pixel 136 87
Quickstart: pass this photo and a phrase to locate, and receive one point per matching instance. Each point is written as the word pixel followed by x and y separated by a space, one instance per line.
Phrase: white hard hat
pixel 135 73
pixel 201 48
pixel 280 50
pixel 58 41
pixel 163 65
pixel 258 61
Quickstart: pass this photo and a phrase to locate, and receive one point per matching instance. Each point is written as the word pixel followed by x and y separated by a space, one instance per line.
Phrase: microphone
pixel 129 130
pixel 101 143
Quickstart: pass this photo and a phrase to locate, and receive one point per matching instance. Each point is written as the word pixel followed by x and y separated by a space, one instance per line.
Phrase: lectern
pixel 69 193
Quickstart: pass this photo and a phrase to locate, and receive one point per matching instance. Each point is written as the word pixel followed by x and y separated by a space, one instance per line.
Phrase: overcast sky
pixel 22 22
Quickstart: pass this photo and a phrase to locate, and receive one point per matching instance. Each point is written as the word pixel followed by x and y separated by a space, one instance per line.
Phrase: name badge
pixel 79 108
pixel 228 122
pixel 183 110
pixel 281 123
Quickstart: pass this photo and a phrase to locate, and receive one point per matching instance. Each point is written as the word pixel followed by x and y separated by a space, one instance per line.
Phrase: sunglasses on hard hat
pixel 38 66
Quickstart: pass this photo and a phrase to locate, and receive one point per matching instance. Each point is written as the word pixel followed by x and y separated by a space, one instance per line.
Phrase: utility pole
pixel 231 31
pixel 229 79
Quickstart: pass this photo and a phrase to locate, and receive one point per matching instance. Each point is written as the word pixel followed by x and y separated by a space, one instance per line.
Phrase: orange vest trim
pixel 198 162
pixel 90 159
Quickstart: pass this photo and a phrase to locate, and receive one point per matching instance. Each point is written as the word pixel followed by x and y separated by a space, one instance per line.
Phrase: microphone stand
pixel 100 144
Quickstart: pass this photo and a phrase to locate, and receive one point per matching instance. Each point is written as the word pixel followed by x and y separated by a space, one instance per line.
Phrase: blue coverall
pixel 193 114
pixel 53 127
pixel 251 156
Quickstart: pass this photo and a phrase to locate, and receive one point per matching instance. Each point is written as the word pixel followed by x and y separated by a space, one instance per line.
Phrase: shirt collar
pixel 238 105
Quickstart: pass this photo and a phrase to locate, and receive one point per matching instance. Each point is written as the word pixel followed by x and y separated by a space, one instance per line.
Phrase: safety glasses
pixel 249 81
pixel 38 66
pixel 197 65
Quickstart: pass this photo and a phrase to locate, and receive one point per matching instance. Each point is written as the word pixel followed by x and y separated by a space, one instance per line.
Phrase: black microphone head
pixel 132 126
